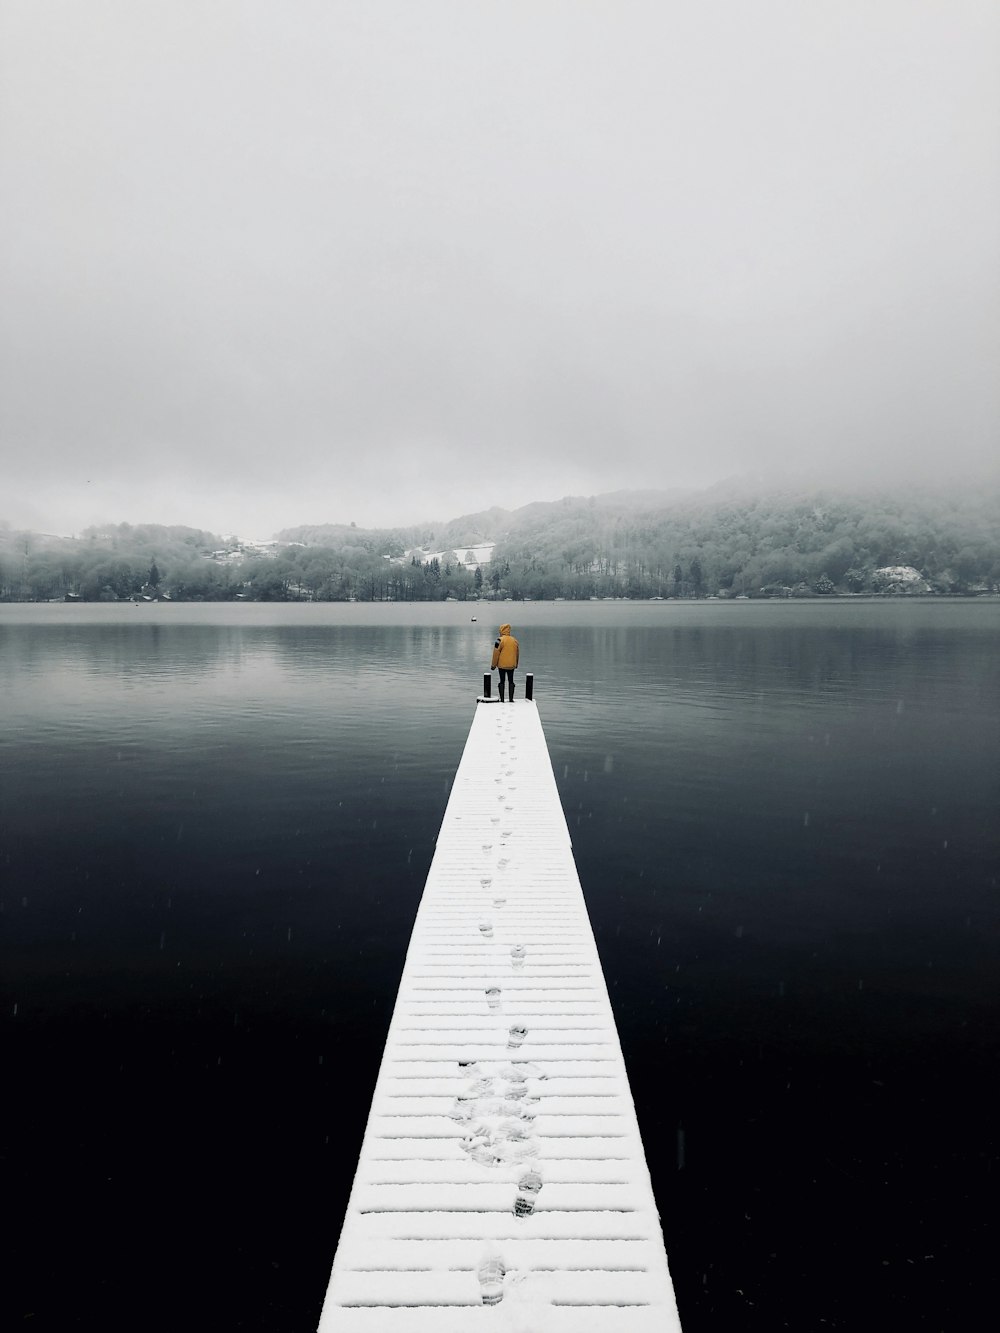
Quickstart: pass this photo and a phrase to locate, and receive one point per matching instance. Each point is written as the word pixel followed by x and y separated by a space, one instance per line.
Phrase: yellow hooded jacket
pixel 505 650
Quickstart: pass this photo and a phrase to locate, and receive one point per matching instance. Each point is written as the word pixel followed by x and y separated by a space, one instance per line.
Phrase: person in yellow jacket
pixel 506 652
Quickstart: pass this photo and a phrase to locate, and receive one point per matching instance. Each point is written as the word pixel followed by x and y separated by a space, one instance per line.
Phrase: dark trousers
pixel 509 673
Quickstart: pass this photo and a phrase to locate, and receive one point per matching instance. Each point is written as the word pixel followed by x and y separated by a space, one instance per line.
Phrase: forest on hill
pixel 726 542
pixel 735 541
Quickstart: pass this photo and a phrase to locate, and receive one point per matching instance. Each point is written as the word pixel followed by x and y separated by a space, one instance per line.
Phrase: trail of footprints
pixel 496 1108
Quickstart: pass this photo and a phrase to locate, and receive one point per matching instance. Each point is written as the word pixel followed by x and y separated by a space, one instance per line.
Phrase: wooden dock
pixel 502 1182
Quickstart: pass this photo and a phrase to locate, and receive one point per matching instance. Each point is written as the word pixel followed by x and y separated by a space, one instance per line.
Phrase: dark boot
pixel 500 691
pixel 512 691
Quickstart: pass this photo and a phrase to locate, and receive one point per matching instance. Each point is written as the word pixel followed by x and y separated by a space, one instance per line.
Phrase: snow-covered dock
pixel 502 1182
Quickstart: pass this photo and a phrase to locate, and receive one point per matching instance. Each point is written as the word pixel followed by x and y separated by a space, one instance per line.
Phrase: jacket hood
pixel 504 629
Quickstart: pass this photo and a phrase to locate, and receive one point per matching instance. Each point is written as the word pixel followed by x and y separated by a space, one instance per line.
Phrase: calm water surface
pixel 215 824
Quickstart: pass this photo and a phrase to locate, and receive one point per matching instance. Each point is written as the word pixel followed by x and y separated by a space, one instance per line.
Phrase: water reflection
pixel 216 823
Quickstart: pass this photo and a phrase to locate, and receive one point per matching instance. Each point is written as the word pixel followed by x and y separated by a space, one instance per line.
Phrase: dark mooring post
pixel 529 685
pixel 487 683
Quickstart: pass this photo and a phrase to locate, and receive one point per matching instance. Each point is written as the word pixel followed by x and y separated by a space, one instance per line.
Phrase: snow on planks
pixel 502 1182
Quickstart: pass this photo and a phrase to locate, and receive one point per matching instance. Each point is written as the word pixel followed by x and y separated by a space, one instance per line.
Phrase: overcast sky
pixel 391 260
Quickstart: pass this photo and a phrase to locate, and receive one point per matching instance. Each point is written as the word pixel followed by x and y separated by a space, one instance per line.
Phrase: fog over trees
pixel 734 540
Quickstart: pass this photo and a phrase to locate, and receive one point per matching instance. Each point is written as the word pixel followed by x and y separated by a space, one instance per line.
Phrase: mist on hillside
pixel 742 539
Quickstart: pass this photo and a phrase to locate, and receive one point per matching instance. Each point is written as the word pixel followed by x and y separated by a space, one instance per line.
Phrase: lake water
pixel 215 825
